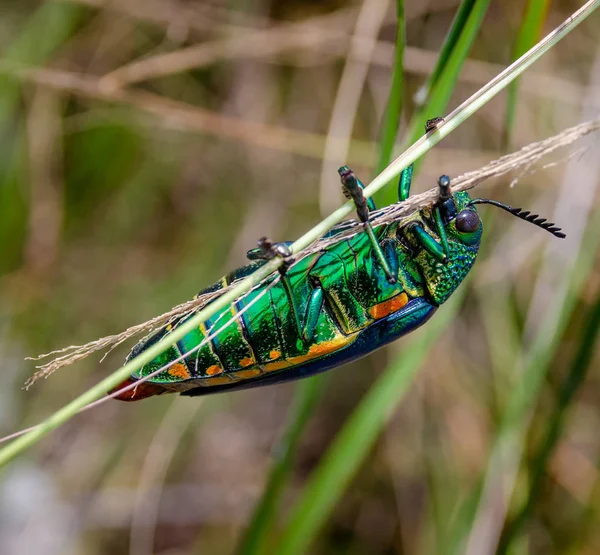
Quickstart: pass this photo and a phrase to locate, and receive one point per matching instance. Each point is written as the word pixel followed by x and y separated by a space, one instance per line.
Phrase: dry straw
pixel 523 158
pixel 456 118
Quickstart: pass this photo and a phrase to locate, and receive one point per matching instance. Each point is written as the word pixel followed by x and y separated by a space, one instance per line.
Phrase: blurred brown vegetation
pixel 127 187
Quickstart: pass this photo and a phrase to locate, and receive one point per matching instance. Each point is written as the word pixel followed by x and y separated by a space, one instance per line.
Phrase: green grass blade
pixel 355 440
pixel 456 118
pixel 567 391
pixel 526 391
pixel 307 393
pixel 444 86
pixel 391 118
pixel 529 33
pixel 458 24
pixel 306 396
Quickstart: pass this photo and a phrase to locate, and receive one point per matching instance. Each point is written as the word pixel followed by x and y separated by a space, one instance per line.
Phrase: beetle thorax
pixel 442 279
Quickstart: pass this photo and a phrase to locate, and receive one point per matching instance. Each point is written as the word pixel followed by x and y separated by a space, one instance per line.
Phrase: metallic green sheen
pixel 324 315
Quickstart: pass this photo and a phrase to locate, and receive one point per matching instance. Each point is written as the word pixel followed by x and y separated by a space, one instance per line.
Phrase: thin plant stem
pixel 391 118
pixel 567 391
pixel 456 28
pixel 456 118
pixel 439 96
pixel 355 440
pixel 307 394
pixel 529 33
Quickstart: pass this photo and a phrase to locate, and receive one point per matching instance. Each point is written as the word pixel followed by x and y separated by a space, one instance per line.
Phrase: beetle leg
pixel 391 256
pixel 404 183
pixel 306 327
pixel 441 230
pixel 409 281
pixel 311 317
pixel 262 252
pixel 267 250
pixel 353 189
pixel 406 175
pixel 329 273
pixel 428 243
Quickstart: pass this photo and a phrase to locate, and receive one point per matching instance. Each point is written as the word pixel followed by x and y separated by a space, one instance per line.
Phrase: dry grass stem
pixel 181 115
pixel 73 353
pixel 318 35
pixel 46 158
pixel 182 15
pixel 525 157
pixel 256 42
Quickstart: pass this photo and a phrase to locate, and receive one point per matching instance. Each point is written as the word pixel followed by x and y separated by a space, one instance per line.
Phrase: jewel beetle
pixel 331 307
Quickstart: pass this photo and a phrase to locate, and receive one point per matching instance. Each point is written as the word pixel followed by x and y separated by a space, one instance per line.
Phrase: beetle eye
pixel 467 221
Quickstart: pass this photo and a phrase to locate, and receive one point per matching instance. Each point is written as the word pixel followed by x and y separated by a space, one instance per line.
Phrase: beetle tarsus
pixel 433 123
pixel 353 190
pixel 405 179
pixel 270 250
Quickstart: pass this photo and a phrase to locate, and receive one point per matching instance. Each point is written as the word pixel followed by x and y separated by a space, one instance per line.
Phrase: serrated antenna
pixel 526 215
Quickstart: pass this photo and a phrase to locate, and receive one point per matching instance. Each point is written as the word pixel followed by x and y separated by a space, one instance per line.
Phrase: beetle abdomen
pixel 388 329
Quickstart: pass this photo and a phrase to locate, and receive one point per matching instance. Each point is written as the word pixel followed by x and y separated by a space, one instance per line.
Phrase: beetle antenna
pixel 534 219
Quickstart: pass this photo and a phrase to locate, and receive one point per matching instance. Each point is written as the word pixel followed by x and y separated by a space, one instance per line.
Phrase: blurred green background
pixel 127 187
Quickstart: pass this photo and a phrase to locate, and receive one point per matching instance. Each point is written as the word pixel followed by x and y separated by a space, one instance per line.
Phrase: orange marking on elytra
pixel 179 371
pixel 246 362
pixel 321 349
pixel 274 354
pixel 326 347
pixel 214 370
pixel 388 307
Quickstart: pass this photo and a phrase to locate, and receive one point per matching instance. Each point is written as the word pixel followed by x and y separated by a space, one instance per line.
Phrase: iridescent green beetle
pixel 332 307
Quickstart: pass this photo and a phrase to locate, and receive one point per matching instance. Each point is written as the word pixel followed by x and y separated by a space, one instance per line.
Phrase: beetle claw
pixel 271 250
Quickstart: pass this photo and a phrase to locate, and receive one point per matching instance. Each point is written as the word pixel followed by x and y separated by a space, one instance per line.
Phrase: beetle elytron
pixel 333 306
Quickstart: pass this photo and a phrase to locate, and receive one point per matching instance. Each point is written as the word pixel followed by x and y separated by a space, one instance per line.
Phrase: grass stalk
pixel 513 427
pixel 391 118
pixel 463 32
pixel 354 441
pixel 458 24
pixel 567 391
pixel 307 394
pixel 456 118
pixel 529 33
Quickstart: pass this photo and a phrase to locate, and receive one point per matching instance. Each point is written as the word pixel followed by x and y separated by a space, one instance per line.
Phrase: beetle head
pixel 460 220
pixel 454 222
pixel 453 208
pixel 456 226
